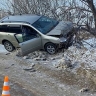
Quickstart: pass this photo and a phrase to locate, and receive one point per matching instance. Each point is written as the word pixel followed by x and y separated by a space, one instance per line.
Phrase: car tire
pixel 8 46
pixel 51 48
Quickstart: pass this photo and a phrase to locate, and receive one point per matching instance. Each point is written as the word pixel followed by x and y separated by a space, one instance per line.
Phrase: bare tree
pixel 92 7
pixel 60 9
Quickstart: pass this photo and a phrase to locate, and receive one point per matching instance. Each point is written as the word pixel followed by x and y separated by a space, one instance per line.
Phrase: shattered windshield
pixel 45 24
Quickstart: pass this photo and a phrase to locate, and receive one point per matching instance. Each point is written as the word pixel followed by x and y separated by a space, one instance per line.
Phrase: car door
pixel 29 40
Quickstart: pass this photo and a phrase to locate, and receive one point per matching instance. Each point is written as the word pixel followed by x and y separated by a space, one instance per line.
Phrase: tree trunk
pixel 92 7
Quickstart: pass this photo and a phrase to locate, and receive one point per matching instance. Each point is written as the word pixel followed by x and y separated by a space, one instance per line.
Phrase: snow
pixel 77 56
pixel 91 42
pixel 85 55
pixel 2 49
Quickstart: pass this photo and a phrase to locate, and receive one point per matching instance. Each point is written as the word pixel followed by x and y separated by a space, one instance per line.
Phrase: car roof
pixel 21 18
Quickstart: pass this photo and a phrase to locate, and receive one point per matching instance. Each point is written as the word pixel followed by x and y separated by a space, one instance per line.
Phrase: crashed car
pixel 33 32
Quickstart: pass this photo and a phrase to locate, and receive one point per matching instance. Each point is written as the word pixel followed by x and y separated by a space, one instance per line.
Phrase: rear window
pixel 10 29
pixel 15 29
pixel 4 28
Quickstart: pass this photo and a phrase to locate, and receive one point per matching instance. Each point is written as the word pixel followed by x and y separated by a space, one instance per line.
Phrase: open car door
pixel 30 45
pixel 29 42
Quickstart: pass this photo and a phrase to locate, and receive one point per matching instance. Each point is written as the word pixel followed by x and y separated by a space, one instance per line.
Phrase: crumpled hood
pixel 62 28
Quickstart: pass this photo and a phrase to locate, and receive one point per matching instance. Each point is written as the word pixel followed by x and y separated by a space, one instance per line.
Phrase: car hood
pixel 62 28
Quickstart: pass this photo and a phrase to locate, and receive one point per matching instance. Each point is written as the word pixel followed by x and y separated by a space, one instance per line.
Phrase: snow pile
pixel 63 64
pixel 89 43
pixel 2 49
pixel 82 56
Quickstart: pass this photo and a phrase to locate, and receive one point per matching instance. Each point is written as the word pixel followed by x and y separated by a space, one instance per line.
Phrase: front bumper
pixel 66 42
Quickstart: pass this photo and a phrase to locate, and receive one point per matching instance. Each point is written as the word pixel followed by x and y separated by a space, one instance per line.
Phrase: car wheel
pixel 8 46
pixel 51 48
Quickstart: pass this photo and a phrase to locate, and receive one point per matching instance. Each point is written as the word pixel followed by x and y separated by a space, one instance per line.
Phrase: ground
pixel 70 72
pixel 16 89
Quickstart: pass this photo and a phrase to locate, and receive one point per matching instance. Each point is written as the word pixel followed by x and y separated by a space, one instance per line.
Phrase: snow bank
pixel 85 55
pixel 89 43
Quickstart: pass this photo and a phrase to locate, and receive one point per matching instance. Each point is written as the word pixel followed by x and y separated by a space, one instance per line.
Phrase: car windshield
pixel 45 24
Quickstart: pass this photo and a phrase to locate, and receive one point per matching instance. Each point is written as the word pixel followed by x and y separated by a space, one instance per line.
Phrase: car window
pixel 45 24
pixel 15 29
pixel 28 33
pixel 19 38
pixel 4 28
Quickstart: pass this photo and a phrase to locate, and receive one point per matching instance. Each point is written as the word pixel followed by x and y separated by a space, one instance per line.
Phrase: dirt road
pixel 39 80
pixel 16 89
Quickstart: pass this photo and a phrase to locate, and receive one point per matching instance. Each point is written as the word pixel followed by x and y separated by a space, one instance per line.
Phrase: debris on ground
pixel 30 69
pixel 84 90
pixel 63 64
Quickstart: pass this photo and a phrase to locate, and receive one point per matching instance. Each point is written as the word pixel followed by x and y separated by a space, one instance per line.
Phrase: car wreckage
pixel 33 32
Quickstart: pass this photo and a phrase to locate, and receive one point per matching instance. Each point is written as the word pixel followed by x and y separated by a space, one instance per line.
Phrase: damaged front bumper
pixel 65 42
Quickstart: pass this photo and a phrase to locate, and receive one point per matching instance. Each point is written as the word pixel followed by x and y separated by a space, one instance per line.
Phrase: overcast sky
pixel 3 3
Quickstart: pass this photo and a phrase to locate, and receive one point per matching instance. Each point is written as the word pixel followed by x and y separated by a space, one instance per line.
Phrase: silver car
pixel 33 32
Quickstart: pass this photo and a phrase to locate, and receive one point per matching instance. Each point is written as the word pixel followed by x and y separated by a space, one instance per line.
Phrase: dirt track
pixel 16 89
pixel 42 81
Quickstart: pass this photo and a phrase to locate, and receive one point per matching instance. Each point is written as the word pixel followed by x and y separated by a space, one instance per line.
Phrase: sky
pixel 3 4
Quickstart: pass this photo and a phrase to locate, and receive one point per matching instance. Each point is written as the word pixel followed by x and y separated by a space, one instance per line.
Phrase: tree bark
pixel 93 9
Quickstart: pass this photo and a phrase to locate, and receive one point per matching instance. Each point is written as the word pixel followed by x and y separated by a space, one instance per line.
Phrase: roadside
pixel 39 77
pixel 15 89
